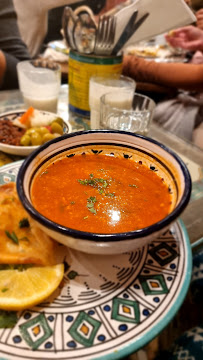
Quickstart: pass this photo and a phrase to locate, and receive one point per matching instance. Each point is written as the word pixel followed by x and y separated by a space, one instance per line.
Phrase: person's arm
pixel 12 48
pixel 174 75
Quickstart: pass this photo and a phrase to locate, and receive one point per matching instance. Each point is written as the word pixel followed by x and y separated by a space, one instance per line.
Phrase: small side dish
pixel 22 131
pixel 32 128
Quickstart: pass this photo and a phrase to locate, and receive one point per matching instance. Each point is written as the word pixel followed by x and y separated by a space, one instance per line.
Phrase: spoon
pixel 68 23
pixel 84 32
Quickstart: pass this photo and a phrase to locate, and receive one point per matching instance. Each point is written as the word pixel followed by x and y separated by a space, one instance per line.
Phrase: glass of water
pixel 133 115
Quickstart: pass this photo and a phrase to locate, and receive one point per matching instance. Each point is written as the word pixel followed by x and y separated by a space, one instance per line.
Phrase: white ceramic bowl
pixel 23 150
pixel 139 148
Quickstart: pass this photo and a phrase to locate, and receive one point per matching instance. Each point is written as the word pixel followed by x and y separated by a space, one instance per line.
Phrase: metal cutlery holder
pixel 80 68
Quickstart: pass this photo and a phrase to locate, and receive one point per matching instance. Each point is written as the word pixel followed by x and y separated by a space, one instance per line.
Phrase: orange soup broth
pixel 100 194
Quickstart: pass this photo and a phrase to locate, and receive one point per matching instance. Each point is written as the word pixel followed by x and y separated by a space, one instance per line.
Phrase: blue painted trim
pixel 78 111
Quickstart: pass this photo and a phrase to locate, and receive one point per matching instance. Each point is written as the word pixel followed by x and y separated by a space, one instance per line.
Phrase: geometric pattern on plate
pixel 106 302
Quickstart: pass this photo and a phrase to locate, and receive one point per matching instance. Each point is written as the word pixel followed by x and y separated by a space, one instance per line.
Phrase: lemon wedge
pixel 23 289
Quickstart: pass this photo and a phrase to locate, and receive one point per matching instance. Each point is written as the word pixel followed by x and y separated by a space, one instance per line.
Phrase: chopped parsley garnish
pixel 95 182
pixel 110 194
pixel 103 182
pixel 90 204
pixel 133 185
pixel 12 236
pixel 22 267
pixel 19 267
pixel 24 223
pixel 4 290
pixel 100 185
pixel 24 238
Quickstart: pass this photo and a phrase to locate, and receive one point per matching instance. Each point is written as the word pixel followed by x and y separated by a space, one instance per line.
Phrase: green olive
pixel 59 121
pixel 25 140
pixel 31 130
pixel 36 138
pixel 56 128
pixel 47 137
pixel 43 130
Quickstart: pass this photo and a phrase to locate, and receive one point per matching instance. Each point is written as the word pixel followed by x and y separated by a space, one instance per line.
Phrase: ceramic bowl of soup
pixel 103 191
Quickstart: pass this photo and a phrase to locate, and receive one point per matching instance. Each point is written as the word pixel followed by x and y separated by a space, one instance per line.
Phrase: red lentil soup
pixel 100 194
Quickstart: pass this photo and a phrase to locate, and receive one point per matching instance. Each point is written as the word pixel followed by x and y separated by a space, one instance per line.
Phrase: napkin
pixel 51 54
pixel 57 51
pixel 164 15
pixel 123 16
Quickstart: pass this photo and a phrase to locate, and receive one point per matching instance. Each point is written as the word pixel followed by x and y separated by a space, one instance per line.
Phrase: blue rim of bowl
pixel 131 235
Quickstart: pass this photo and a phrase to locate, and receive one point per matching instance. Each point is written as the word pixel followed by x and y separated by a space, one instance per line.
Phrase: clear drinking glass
pixel 39 82
pixel 135 116
pixel 99 85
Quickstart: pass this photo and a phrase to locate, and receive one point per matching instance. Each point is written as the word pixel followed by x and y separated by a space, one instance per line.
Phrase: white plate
pixel 21 150
pixel 158 53
pixel 108 306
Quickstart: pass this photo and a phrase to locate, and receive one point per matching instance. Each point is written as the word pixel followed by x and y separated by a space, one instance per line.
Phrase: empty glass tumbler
pixel 126 114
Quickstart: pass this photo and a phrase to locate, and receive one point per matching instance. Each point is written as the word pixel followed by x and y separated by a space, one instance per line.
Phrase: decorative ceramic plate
pixel 21 150
pixel 109 306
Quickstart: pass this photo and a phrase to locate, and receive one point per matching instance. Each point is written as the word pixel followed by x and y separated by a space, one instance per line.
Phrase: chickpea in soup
pixel 100 194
